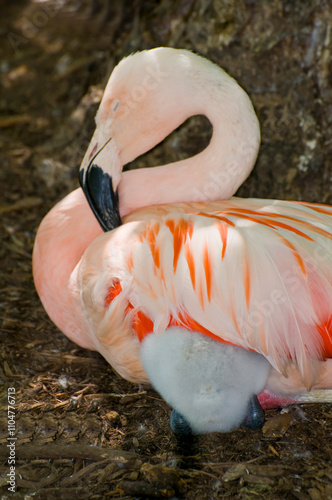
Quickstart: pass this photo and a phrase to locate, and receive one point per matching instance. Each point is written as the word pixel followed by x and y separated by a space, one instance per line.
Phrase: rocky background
pixel 82 432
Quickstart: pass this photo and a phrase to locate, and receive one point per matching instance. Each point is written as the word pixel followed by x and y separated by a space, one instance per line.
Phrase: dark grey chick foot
pixel 179 425
pixel 255 415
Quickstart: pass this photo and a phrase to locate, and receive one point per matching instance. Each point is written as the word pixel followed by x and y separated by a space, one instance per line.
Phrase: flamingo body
pixel 190 284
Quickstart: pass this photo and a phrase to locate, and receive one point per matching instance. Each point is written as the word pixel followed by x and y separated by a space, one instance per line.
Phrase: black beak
pixel 103 200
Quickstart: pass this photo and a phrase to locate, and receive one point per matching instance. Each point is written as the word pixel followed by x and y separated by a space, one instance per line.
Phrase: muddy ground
pixel 83 432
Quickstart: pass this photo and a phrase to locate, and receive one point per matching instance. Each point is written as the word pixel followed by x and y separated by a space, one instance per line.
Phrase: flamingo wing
pixel 253 273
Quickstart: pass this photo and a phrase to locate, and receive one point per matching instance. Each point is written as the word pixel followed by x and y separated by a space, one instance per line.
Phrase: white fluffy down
pixel 208 382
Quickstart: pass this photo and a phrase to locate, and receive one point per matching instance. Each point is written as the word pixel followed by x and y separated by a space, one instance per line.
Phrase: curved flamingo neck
pixel 215 173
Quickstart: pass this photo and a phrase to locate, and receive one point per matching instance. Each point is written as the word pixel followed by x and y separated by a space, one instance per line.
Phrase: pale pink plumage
pixel 253 273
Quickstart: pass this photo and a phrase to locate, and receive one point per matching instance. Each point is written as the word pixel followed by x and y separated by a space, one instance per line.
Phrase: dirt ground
pixel 81 431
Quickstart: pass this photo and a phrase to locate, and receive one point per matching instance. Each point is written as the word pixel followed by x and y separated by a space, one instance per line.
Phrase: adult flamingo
pixel 213 302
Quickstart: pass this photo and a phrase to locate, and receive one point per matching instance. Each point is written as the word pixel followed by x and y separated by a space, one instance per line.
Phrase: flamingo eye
pixel 115 105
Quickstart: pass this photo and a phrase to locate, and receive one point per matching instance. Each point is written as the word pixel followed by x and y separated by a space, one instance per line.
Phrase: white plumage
pixel 209 383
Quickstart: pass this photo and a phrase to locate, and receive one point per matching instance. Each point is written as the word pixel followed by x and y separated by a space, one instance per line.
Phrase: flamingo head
pixel 212 386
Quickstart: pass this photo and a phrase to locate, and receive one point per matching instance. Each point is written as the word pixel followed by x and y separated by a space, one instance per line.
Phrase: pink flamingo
pixel 212 302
